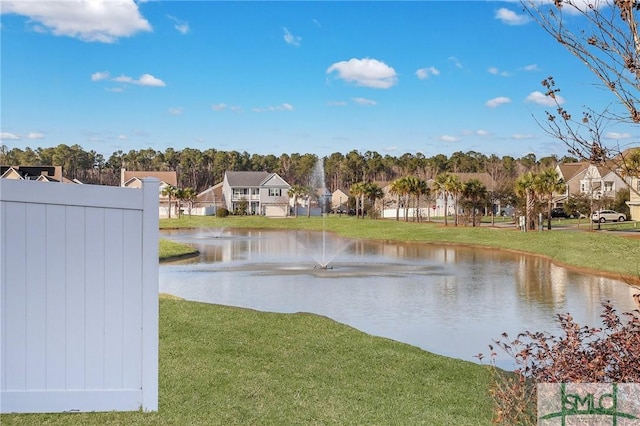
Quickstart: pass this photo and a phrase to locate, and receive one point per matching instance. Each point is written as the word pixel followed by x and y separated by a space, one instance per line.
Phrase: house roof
pixel 170 178
pixel 210 194
pixel 274 180
pixel 570 170
pixel 51 173
pixel 484 178
pixel 246 179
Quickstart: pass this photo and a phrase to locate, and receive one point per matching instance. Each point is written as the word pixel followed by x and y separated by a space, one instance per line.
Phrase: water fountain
pixel 324 196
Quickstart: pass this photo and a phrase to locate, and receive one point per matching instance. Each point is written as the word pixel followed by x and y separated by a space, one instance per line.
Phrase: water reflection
pixel 448 300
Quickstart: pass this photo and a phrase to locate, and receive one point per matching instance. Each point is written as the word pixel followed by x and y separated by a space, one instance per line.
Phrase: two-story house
pixel 602 181
pixel 571 174
pixel 264 193
pixel 634 199
pixel 588 179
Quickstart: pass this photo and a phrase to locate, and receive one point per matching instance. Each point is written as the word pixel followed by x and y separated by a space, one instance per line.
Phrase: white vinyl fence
pixel 79 297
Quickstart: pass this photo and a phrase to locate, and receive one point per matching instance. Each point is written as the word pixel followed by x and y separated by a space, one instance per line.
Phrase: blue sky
pixel 433 77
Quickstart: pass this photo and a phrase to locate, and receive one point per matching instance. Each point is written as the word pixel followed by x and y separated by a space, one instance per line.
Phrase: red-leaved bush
pixel 580 354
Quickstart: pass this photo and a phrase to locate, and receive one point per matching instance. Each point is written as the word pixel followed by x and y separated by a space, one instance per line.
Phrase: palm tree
pixel 547 183
pixel 454 187
pixel 373 192
pixel 397 188
pixel 358 191
pixel 169 191
pixel 421 188
pixel 525 187
pixel 296 191
pixel 416 187
pixel 474 191
pixel 440 185
pixel 189 195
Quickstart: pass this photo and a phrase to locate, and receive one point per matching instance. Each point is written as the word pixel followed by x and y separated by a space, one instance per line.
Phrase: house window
pixel 240 191
pixel 275 192
pixel 608 186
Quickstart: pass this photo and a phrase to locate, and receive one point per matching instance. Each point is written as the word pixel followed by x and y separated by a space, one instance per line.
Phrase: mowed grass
pixel 611 252
pixel 231 366
pixel 171 249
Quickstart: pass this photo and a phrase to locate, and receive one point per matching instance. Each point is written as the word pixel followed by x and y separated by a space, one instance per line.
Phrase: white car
pixel 608 216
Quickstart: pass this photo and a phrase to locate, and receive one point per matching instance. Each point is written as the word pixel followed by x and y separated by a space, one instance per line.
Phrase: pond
pixel 448 300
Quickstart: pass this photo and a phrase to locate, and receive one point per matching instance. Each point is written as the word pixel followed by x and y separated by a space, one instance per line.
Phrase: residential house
pixel 572 174
pixel 339 200
pixel 208 201
pixel 634 199
pixel 133 179
pixel 265 193
pixel 602 181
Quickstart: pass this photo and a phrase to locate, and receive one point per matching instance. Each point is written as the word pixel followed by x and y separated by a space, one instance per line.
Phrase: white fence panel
pixel 78 297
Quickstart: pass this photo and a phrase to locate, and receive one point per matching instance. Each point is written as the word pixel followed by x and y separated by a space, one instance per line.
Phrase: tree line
pixel 201 169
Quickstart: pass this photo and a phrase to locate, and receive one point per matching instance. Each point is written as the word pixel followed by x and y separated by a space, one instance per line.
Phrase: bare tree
pixel 608 44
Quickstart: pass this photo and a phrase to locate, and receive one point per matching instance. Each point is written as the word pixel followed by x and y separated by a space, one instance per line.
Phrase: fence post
pixel 150 294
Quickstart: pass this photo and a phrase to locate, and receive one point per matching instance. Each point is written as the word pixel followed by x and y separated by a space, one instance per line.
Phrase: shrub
pixel 222 212
pixel 607 354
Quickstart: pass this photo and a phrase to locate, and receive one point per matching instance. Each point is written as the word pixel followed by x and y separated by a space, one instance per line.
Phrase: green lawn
pixel 610 251
pixel 171 249
pixel 231 366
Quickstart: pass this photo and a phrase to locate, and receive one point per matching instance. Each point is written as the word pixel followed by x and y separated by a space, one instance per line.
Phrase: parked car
pixel 608 215
pixel 560 212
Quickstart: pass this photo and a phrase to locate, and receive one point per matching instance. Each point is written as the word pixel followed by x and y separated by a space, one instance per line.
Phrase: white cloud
pixel 496 71
pixel 531 67
pixel 176 110
pixel 448 138
pixel 291 39
pixel 97 76
pixel 283 107
pixel 223 107
pixel 365 72
pixel 88 20
pixel 122 137
pixel 522 136
pixel 509 17
pixel 364 101
pixel 318 24
pixel 481 132
pixel 424 73
pixel 616 135
pixel 149 80
pixel 115 89
pixel 496 102
pixel 337 103
pixel 181 26
pixel 540 98
pixel 9 136
pixel 35 135
pixel 144 80
pixel 456 61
